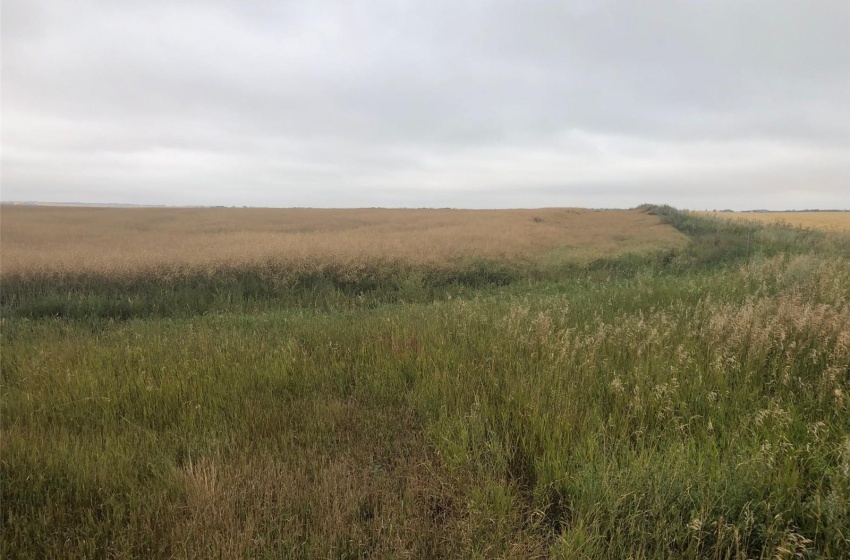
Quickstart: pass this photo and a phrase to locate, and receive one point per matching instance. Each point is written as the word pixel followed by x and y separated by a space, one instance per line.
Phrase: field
pixel 827 221
pixel 144 240
pixel 422 384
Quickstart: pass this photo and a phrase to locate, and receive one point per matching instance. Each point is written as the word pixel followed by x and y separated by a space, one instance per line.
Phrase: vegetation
pixel 125 263
pixel 124 243
pixel 675 402
pixel 829 221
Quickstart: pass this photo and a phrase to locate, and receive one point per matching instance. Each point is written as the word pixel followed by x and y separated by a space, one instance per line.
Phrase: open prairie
pixel 423 384
pixel 135 240
pixel 827 221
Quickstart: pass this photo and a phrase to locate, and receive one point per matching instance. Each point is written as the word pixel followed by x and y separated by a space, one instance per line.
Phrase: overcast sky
pixel 700 104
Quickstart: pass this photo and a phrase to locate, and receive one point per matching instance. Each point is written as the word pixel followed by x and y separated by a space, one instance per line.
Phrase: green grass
pixel 679 405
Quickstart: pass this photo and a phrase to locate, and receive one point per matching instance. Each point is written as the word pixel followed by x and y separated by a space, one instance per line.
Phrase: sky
pixel 700 104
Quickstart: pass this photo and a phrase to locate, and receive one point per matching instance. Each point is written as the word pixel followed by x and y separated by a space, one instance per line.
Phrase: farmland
pixel 559 383
pixel 826 221
pixel 147 240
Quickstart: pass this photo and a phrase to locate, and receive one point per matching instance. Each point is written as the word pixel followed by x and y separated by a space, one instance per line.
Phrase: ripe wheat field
pixel 129 241
pixel 556 383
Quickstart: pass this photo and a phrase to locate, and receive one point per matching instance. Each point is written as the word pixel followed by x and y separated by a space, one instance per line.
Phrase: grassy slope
pixel 690 404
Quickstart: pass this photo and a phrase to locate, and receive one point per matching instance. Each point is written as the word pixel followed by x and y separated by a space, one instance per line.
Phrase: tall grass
pixel 687 405
pixel 829 221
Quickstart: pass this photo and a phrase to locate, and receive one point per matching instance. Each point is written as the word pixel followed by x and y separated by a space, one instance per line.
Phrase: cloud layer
pixel 476 104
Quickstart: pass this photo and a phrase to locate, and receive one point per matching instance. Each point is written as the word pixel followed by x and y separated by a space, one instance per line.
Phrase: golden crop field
pixel 827 221
pixel 127 240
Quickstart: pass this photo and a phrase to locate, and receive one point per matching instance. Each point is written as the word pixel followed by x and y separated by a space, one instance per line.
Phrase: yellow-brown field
pixel 827 221
pixel 122 240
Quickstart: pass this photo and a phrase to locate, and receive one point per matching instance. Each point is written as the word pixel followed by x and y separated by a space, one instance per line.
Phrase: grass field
pixel 133 241
pixel 682 393
pixel 827 221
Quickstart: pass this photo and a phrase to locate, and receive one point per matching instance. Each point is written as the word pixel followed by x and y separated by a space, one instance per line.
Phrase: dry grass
pixel 121 240
pixel 827 221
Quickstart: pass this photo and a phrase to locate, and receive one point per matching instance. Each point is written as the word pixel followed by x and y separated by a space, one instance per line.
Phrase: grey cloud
pixel 437 103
